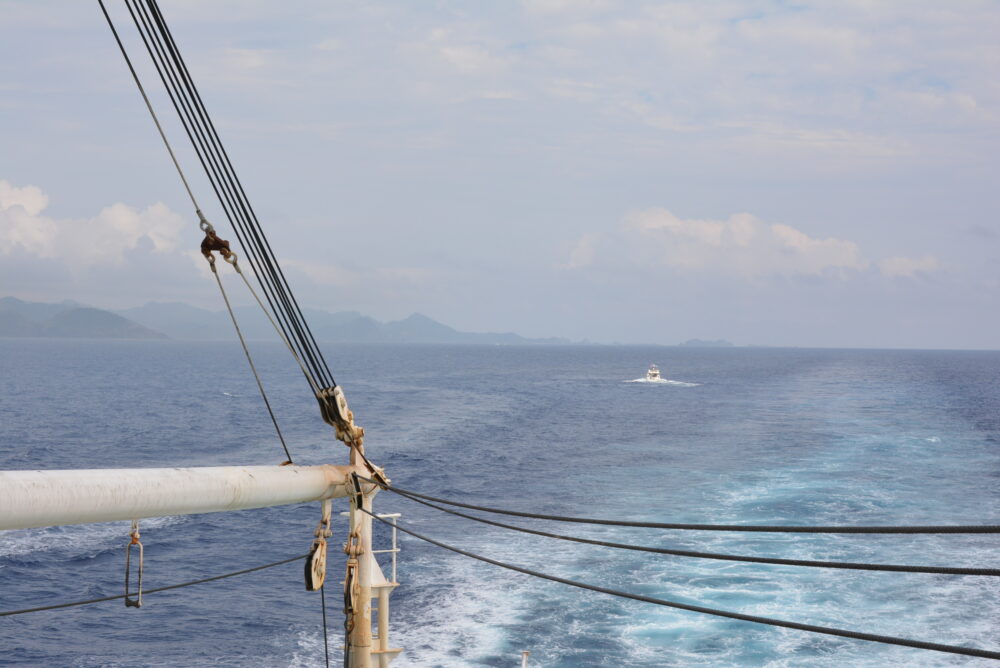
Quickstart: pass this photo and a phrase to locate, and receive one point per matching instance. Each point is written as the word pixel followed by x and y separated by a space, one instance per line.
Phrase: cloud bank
pixel 82 243
pixel 740 246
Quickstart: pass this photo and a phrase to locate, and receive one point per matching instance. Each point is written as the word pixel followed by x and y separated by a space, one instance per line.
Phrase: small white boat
pixel 653 373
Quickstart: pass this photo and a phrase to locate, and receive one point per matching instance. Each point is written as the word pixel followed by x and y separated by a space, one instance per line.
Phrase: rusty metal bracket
pixel 358 496
pixel 350 594
pixel 136 601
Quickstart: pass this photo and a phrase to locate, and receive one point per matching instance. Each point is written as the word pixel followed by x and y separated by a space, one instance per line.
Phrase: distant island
pixel 67 320
pixel 701 343
pixel 183 322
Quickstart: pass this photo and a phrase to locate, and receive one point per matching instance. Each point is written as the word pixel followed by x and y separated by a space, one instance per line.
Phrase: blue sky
pixel 816 174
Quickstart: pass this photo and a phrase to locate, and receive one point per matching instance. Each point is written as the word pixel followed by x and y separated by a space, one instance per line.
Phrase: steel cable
pixel 940 570
pixel 843 633
pixel 326 642
pixel 767 528
pixel 194 202
pixel 291 309
pixel 253 367
pixel 221 183
pixel 9 613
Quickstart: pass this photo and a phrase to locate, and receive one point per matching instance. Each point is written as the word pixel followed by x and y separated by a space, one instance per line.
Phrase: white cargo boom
pixel 33 499
pixel 30 499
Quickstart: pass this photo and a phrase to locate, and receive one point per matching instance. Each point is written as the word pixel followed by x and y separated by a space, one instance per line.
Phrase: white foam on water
pixel 453 614
pixel 310 652
pixel 78 539
pixel 662 381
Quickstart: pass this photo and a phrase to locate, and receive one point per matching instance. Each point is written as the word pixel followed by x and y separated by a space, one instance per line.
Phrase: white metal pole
pixel 361 636
pixel 49 498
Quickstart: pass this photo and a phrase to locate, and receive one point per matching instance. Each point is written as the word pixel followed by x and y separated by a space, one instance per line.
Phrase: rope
pixel 277 329
pixel 941 570
pixel 246 350
pixel 147 592
pixel 218 168
pixel 194 202
pixel 928 529
pixel 145 98
pixel 843 633
pixel 287 317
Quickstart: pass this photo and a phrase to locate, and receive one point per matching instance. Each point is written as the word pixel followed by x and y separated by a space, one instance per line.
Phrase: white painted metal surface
pixel 49 498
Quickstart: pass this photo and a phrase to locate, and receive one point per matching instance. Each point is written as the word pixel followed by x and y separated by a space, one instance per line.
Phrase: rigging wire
pixel 146 592
pixel 205 225
pixel 149 106
pixel 197 135
pixel 218 167
pixel 326 642
pixel 190 82
pixel 843 633
pixel 253 367
pixel 940 570
pixel 766 528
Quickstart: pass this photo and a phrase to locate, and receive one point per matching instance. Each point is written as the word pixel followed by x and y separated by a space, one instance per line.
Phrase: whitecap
pixel 662 381
pixel 75 540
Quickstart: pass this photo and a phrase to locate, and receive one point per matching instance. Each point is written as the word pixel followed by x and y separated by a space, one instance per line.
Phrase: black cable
pixel 218 280
pixel 222 184
pixel 229 191
pixel 941 570
pixel 843 633
pixel 928 529
pixel 146 592
pixel 326 643
pixel 225 191
pixel 294 310
pixel 224 200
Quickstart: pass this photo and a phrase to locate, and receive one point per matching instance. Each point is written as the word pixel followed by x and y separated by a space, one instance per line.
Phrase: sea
pixel 736 435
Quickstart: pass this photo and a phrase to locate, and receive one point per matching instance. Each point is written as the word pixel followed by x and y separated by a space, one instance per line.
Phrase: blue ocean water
pixel 744 435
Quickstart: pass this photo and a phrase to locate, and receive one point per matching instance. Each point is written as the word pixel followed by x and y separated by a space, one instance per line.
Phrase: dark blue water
pixel 747 435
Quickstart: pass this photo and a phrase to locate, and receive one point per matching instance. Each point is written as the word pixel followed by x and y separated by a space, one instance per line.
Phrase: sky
pixel 768 172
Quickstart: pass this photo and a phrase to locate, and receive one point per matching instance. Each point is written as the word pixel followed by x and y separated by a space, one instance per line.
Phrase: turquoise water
pixel 744 435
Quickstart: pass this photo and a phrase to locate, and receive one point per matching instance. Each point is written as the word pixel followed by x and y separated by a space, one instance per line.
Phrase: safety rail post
pixel 392 517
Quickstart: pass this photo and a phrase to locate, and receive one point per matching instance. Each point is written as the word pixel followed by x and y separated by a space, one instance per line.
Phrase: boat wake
pixel 662 381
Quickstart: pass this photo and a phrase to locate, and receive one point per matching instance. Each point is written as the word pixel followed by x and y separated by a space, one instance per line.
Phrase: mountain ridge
pixel 180 321
pixel 67 319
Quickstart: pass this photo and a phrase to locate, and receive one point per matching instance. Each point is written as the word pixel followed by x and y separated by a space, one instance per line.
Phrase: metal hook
pixel 135 602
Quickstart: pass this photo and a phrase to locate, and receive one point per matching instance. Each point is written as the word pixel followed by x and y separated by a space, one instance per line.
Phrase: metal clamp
pixel 213 242
pixel 133 602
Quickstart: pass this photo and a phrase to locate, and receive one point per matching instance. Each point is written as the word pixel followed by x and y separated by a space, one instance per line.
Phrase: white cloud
pixel 908 267
pixel 80 243
pixel 741 245
pixel 566 6
pixel 324 274
pixel 29 198
pixel 583 252
pixel 462 50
